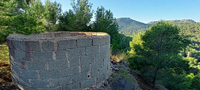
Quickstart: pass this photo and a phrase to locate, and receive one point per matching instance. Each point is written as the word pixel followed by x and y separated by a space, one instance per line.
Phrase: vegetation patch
pixel 5 77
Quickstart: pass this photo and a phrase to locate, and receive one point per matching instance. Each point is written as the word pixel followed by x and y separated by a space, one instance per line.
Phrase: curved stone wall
pixel 59 60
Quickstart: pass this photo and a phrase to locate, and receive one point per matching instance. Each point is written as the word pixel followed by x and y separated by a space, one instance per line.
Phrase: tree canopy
pixel 27 17
pixel 78 18
pixel 158 51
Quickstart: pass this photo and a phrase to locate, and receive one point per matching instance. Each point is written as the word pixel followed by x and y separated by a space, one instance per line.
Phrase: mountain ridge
pixel 129 26
pixel 177 22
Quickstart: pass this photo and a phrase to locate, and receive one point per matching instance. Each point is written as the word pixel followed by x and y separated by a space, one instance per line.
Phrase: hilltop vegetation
pixel 128 26
pixel 177 22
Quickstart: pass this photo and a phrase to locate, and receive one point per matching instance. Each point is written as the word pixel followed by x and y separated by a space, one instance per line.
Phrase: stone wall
pixel 59 60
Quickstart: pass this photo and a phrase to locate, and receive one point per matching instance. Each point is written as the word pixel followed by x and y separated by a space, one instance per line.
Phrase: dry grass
pixel 4 54
pixel 5 77
pixel 118 57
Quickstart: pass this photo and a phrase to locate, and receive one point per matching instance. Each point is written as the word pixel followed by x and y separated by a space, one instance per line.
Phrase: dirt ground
pixel 5 77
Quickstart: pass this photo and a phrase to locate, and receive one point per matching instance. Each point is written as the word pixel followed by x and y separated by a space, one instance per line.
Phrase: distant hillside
pixel 177 22
pixel 129 26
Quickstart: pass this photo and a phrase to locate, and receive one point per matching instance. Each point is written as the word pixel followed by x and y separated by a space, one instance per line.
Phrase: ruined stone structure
pixel 59 60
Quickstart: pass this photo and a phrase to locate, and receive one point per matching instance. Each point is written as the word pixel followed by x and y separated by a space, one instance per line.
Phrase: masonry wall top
pixel 56 35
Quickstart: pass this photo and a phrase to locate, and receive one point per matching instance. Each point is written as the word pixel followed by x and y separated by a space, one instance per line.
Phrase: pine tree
pixel 159 52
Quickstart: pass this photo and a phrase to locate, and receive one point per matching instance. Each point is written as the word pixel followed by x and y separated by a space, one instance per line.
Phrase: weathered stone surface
pixel 58 64
pixel 39 83
pixel 47 46
pixel 79 77
pixel 96 41
pixel 23 81
pixel 87 83
pixel 92 50
pixel 54 88
pixel 31 74
pixel 86 60
pixel 103 40
pixel 60 55
pixel 84 42
pixel 94 72
pixel 19 55
pixel 75 52
pixel 36 65
pixel 74 61
pixel 49 74
pixel 34 45
pixel 69 71
pixel 29 88
pixel 74 86
pixel 19 45
pixel 41 56
pixel 60 81
pixel 85 68
pixel 66 44
pixel 59 60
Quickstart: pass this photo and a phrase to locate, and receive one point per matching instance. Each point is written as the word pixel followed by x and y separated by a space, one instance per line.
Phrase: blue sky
pixel 147 10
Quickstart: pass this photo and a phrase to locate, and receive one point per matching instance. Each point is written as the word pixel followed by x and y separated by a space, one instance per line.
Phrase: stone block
pixel 84 42
pixel 86 60
pixel 34 45
pixel 46 74
pixel 106 61
pixel 96 41
pixel 40 65
pixel 74 86
pixel 107 39
pixel 97 64
pixel 60 81
pixel 103 40
pixel 55 88
pixel 29 74
pixel 69 71
pixel 66 44
pixel 74 61
pixel 85 68
pixel 15 70
pixel 41 56
pixel 19 55
pixel 61 55
pixel 102 70
pixel 75 52
pixel 94 72
pixel 47 46
pixel 107 74
pixel 79 77
pixel 92 50
pixel 39 83
pixel 107 51
pixel 58 65
pixel 99 57
pixel 103 49
pixel 19 45
pixel 87 83
pixel 23 81
pixel 100 77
